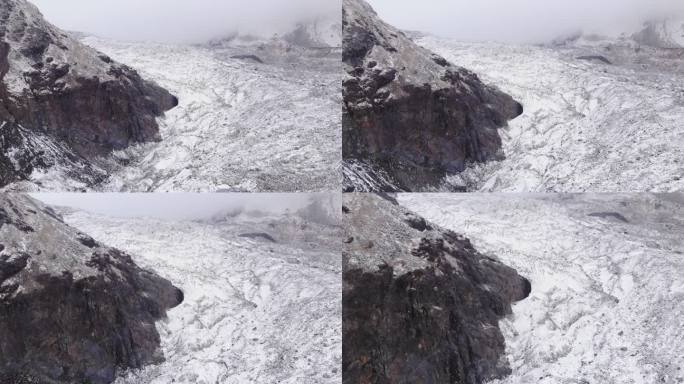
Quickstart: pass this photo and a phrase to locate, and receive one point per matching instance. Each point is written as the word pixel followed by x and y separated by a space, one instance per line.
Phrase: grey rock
pixel 55 85
pixel 408 114
pixel 71 309
pixel 420 304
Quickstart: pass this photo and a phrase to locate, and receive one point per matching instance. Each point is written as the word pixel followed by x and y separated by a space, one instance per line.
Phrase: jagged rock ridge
pixel 325 32
pixel 71 309
pixel 52 84
pixel 409 115
pixel 664 33
pixel 420 304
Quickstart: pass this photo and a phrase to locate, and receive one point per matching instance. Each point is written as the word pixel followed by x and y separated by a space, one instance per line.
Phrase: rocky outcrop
pixel 325 32
pixel 410 112
pixel 665 33
pixel 55 85
pixel 420 304
pixel 71 309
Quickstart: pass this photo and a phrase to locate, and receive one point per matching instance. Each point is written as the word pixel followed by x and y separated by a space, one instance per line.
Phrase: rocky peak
pixel 408 113
pixel 325 32
pixel 663 33
pixel 72 309
pixel 53 84
pixel 420 303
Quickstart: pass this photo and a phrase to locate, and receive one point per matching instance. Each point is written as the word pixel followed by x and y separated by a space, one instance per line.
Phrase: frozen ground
pixel 255 115
pixel 240 126
pixel 255 311
pixel 588 125
pixel 607 275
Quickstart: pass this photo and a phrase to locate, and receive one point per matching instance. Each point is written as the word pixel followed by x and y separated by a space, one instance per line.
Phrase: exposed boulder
pixel 420 304
pixel 57 86
pixel 71 309
pixel 410 112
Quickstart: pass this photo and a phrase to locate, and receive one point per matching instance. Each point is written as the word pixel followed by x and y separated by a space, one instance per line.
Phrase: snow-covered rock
pixel 587 125
pixel 255 114
pixel 607 276
pixel 665 33
pixel 409 115
pixel 71 308
pixel 262 295
pixel 421 304
pixel 53 85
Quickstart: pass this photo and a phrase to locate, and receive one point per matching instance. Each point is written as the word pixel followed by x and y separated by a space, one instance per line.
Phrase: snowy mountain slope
pixel 255 311
pixel 322 32
pixel 63 104
pixel 47 161
pixel 240 125
pixel 607 274
pixel 665 33
pixel 587 125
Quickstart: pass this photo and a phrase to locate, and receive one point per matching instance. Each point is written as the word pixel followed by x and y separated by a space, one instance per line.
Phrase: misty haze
pixel 178 206
pixel 184 21
pixel 524 21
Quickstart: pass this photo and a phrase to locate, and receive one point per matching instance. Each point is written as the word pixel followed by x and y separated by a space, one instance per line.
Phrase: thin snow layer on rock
pixel 255 311
pixel 240 125
pixel 607 274
pixel 587 126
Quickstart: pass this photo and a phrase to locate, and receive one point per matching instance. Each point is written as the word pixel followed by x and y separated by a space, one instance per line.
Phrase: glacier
pixel 588 126
pixel 255 115
pixel 607 275
pixel 240 125
pixel 256 310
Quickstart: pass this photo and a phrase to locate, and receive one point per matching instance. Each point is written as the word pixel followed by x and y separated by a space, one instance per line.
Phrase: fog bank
pixel 182 21
pixel 522 21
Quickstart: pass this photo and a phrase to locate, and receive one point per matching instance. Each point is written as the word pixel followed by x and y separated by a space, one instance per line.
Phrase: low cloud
pixel 181 20
pixel 522 20
pixel 177 206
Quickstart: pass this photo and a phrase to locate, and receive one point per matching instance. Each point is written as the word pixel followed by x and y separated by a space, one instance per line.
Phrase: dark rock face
pixel 420 304
pixel 22 151
pixel 258 235
pixel 408 111
pixel 71 309
pixel 55 85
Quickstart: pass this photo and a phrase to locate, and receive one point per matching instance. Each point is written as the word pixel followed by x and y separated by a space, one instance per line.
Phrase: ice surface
pixel 587 126
pixel 254 311
pixel 240 125
pixel 606 301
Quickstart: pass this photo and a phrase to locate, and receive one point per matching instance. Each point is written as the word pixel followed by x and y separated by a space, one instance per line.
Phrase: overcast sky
pixel 520 20
pixel 173 205
pixel 180 20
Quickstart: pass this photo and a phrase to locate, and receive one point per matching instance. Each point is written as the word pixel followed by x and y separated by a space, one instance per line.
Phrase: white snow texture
pixel 255 311
pixel 607 275
pixel 587 126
